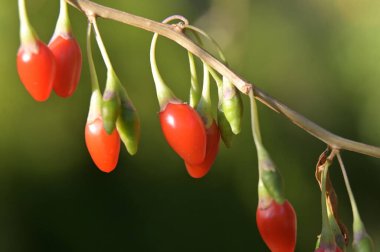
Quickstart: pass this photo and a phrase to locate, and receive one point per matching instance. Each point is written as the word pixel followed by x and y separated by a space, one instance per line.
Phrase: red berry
pixel 184 131
pixel 36 68
pixel 277 224
pixel 68 58
pixel 104 149
pixel 213 137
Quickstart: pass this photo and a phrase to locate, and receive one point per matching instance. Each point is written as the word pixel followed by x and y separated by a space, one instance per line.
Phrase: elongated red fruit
pixel 104 149
pixel 212 148
pixel 68 58
pixel 184 131
pixel 277 224
pixel 36 69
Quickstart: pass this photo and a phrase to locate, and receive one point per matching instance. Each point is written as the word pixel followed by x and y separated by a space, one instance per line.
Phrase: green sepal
pixel 327 239
pixel 270 176
pixel 204 106
pixel 224 128
pixel 339 238
pixel 111 102
pixel 95 109
pixel 128 123
pixel 362 242
pixel 195 90
pixel 232 105
pixel 273 183
pixel 28 35
pixel 63 26
pixel 318 243
pixel 164 94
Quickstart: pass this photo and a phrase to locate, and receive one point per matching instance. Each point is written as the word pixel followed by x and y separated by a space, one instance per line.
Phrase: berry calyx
pixel 232 105
pixel 128 123
pixel 224 127
pixel 111 102
pixel 212 147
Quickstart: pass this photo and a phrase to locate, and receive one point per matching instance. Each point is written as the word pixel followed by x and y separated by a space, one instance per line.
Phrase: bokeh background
pixel 322 58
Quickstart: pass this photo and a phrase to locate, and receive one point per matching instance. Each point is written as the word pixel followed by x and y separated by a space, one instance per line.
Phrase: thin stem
pixel 194 91
pixel 358 224
pixel 164 94
pixel 101 46
pixel 93 75
pixel 213 41
pixel 206 84
pixel 63 26
pixel 179 37
pixel 27 34
pixel 218 82
pixel 255 121
pixel 215 76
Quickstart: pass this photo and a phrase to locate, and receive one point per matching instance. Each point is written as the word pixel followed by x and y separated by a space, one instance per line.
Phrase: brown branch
pixel 176 35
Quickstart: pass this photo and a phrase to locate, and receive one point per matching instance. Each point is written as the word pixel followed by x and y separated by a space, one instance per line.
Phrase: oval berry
pixel 68 58
pixel 103 148
pixel 212 148
pixel 277 224
pixel 184 131
pixel 36 68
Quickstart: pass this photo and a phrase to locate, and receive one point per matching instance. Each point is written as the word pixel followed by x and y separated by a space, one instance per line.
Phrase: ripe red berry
pixel 104 149
pixel 277 225
pixel 36 68
pixel 212 147
pixel 68 58
pixel 184 131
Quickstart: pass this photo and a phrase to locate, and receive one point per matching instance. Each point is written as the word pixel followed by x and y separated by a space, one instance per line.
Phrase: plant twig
pixel 176 35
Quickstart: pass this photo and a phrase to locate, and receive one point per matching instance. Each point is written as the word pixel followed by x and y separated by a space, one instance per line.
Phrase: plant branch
pixel 175 34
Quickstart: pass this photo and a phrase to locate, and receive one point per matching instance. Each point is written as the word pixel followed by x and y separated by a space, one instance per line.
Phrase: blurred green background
pixel 322 58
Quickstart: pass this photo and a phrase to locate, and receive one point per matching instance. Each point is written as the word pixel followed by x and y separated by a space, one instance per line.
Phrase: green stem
pixel 194 91
pixel 213 41
pixel 101 46
pixel 255 121
pixel 204 106
pixel 93 75
pixel 63 26
pixel 216 77
pixel 27 34
pixel 206 84
pixel 358 224
pixel 164 94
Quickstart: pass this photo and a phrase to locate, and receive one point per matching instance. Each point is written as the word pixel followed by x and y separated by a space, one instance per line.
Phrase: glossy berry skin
pixel 104 149
pixel 212 148
pixel 36 68
pixel 277 224
pixel 184 131
pixel 68 58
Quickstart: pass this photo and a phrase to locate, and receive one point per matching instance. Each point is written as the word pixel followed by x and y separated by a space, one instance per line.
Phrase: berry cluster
pixel 45 67
pixel 193 130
